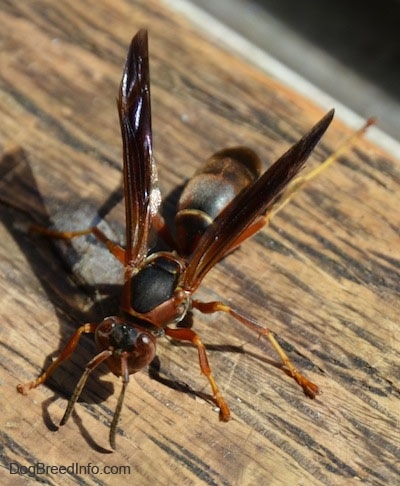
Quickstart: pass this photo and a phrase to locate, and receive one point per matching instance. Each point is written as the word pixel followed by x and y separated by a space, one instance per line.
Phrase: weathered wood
pixel 324 276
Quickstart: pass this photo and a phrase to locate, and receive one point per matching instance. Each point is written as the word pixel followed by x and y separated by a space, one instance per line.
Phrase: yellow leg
pixel 310 389
pixel 301 181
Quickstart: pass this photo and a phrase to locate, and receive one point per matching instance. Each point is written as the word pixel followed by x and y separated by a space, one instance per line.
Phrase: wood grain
pixel 324 276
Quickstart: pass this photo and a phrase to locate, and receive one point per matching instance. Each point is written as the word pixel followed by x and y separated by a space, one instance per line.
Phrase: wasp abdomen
pixel 211 189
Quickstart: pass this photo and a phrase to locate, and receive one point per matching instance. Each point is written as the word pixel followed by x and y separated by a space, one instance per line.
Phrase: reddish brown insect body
pixel 226 202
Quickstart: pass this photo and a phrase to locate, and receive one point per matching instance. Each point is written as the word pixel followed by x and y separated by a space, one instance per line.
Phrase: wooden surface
pixel 324 276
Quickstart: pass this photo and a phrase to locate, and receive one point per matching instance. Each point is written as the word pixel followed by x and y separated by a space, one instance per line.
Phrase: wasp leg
pixel 113 248
pixel 189 335
pixel 65 354
pixel 310 389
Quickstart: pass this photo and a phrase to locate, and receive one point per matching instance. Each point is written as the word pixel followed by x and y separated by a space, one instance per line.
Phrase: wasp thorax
pixel 154 284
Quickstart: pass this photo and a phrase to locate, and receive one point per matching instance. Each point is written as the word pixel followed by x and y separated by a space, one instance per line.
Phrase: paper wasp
pixel 226 202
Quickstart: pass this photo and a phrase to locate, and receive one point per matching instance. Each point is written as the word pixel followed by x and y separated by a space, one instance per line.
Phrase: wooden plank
pixel 324 276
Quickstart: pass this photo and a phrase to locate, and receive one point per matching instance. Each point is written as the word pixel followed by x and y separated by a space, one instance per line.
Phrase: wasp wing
pixel 142 196
pixel 251 203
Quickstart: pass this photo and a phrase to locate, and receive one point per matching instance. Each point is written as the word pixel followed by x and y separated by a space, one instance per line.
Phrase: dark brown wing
pixel 251 203
pixel 142 197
